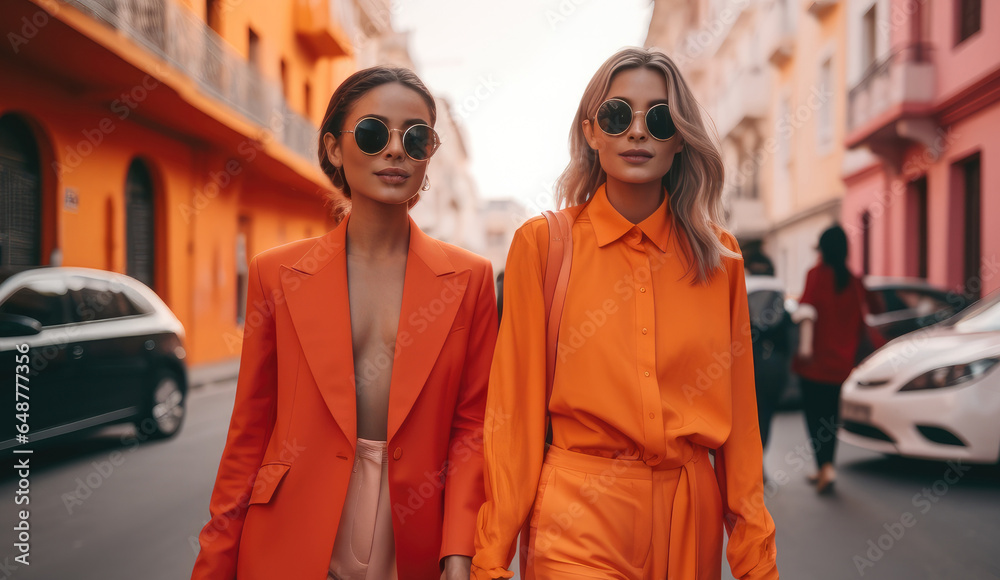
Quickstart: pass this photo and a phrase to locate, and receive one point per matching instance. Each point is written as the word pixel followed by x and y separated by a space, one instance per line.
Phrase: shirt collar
pixel 609 225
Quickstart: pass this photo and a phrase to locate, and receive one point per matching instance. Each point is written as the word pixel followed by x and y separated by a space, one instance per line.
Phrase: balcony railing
pixel 820 8
pixel 328 27
pixel 777 33
pixel 177 36
pixel 698 46
pixel 904 77
pixel 745 99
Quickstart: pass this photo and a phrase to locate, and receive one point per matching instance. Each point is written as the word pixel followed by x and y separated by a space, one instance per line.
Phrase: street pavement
pixel 110 508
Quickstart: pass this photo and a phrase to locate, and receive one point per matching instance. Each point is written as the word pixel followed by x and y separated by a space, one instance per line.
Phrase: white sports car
pixel 933 393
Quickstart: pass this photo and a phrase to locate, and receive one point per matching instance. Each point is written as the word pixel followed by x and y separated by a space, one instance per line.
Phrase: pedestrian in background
pixel 831 323
pixel 654 366
pixel 500 295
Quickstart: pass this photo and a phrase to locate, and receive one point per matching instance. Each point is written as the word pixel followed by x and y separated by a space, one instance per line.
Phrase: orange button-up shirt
pixel 648 366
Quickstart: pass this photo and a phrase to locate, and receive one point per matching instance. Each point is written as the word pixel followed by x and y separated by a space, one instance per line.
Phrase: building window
pixel 213 15
pixel 284 79
pixel 784 132
pixel 917 219
pixel 253 49
pixel 307 100
pixel 869 36
pixel 242 271
pixel 140 224
pixel 20 194
pixel 969 18
pixel 782 204
pixel 970 171
pixel 866 243
pixel 824 129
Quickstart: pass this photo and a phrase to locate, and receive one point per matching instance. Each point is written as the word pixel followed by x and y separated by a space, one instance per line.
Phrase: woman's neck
pixel 635 201
pixel 376 230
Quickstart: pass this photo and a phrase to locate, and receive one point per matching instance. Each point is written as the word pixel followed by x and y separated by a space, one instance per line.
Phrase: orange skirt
pixel 364 548
pixel 599 517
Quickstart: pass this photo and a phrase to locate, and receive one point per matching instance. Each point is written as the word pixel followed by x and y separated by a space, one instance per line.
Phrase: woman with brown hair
pixel 654 368
pixel 363 374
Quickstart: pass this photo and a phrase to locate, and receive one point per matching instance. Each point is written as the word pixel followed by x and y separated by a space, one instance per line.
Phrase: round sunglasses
pixel 372 136
pixel 614 117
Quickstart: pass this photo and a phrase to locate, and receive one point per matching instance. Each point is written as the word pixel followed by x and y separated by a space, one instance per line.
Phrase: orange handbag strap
pixel 555 282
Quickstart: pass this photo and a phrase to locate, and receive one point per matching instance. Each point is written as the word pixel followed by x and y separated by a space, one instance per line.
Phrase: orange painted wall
pixel 197 219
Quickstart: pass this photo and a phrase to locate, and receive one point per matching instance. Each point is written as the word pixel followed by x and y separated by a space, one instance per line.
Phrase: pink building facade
pixel 922 172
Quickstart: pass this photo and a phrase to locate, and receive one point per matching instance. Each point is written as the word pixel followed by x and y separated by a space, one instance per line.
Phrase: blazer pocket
pixel 268 477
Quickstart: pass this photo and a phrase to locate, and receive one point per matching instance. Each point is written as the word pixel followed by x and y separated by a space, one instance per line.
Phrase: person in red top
pixel 831 325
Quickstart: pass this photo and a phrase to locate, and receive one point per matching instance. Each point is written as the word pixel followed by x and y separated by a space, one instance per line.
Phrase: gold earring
pixel 427 183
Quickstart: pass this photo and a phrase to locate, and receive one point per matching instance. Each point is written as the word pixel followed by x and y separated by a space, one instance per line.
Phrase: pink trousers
pixel 364 548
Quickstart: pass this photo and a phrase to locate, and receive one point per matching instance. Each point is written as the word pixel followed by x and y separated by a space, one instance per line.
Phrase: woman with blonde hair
pixel 654 371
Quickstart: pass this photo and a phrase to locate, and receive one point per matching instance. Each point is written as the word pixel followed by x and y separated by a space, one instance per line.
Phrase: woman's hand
pixel 457 568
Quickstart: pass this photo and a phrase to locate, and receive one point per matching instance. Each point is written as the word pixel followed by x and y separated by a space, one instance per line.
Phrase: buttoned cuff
pixel 490 574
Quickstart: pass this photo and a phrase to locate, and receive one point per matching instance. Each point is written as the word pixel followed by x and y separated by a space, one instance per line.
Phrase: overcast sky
pixel 515 71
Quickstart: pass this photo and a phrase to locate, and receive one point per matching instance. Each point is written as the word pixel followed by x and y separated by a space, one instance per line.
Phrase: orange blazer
pixel 292 438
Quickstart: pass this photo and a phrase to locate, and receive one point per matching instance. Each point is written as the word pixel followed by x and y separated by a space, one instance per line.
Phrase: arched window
pixel 20 194
pixel 140 233
pixel 866 243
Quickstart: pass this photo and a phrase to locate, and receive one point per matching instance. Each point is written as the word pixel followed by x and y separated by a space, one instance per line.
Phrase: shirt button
pixel 647 373
pixel 642 289
pixel 652 415
pixel 644 331
pixel 397 453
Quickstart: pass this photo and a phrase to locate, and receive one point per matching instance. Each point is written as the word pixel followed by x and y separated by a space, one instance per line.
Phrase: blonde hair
pixel 695 179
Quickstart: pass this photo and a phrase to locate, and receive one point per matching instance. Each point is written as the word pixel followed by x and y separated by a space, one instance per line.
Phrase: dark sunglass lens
pixel 658 122
pixel 371 136
pixel 614 117
pixel 419 142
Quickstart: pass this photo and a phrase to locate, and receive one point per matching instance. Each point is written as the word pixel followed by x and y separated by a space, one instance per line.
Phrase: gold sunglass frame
pixel 437 138
pixel 632 119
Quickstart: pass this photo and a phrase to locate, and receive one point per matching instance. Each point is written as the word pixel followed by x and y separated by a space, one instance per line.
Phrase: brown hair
pixel 353 88
pixel 695 179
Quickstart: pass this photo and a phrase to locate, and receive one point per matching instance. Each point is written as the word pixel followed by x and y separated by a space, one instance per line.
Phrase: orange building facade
pixel 170 140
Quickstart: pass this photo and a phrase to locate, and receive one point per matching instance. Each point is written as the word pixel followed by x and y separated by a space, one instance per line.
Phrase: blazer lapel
pixel 315 289
pixel 432 294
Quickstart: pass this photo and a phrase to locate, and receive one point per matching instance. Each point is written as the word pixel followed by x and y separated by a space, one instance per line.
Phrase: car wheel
pixel 165 408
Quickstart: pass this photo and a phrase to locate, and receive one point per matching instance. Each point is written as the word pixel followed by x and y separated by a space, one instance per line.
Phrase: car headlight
pixel 950 376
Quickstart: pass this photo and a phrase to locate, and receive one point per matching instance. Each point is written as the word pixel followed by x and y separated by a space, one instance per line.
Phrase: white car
pixel 933 393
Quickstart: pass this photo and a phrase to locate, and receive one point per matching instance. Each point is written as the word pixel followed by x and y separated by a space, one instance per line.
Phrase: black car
pixel 83 348
pixel 908 304
pixel 773 335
